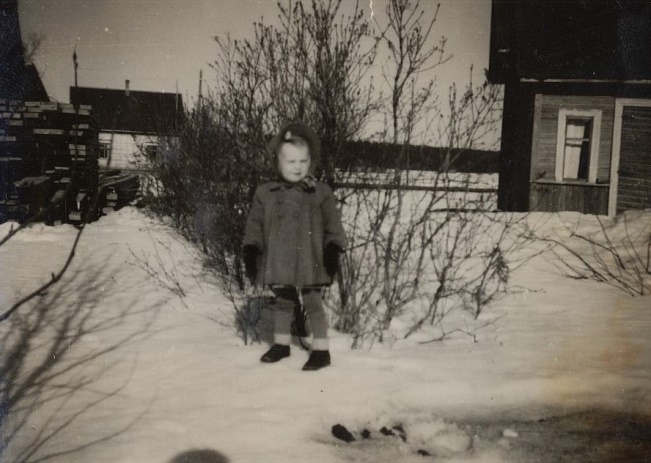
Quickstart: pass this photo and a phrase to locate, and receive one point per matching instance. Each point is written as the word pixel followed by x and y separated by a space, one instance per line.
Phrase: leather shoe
pixel 277 352
pixel 318 359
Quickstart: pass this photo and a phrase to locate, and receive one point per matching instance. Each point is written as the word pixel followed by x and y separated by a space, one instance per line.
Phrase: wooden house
pixel 131 123
pixel 576 131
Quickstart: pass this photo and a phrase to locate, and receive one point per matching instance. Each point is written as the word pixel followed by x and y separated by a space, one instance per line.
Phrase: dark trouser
pixel 286 299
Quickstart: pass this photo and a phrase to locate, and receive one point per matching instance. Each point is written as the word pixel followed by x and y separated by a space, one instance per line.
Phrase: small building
pixel 131 123
pixel 576 131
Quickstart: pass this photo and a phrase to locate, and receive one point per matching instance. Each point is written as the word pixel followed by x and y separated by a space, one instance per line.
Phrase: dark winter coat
pixel 291 225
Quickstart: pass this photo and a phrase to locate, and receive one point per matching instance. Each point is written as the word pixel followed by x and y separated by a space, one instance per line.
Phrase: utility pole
pixel 200 84
pixel 74 60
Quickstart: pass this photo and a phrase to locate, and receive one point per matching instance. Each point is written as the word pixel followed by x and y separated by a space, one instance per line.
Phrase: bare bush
pixel 310 67
pixel 610 252
pixel 32 45
pixel 453 260
pixel 359 275
pixel 411 248
pixel 252 316
pixel 160 269
pixel 405 248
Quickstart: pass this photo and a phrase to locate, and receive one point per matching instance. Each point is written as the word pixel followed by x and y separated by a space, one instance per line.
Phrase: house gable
pixel 131 111
pixel 572 39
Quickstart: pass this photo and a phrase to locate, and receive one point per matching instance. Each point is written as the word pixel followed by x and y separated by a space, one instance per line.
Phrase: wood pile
pixel 48 153
pixel 118 189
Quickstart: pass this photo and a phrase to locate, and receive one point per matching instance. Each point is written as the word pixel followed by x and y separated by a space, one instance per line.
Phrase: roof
pixel 570 39
pixel 21 82
pixel 33 87
pixel 18 81
pixel 132 111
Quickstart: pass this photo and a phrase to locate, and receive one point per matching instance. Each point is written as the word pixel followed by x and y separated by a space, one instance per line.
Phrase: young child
pixel 293 239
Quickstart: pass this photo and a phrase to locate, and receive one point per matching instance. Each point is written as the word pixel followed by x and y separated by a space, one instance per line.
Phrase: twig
pixel 55 278
pixel 472 333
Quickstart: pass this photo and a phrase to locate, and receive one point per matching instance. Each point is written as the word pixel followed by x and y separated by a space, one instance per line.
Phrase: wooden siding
pixel 634 190
pixel 124 150
pixel 546 125
pixel 553 197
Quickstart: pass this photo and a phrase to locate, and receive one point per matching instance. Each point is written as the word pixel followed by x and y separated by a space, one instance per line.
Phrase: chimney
pixel 126 87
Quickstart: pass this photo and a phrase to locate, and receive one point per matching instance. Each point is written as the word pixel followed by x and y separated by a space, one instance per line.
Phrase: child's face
pixel 293 162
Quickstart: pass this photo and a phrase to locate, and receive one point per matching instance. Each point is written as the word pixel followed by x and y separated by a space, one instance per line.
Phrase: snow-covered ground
pixel 112 365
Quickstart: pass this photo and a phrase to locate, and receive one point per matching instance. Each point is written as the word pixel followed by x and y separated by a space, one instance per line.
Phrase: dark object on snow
pixel 300 318
pixel 251 254
pixel 401 432
pixel 341 433
pixel 318 359
pixel 424 453
pixel 200 456
pixel 366 434
pixel 387 432
pixel 299 327
pixel 331 258
pixel 276 353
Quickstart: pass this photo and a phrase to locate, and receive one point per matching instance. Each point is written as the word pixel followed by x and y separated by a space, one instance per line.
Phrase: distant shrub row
pixel 362 155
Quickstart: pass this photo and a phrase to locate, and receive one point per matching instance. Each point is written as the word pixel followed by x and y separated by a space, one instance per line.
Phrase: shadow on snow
pixel 56 365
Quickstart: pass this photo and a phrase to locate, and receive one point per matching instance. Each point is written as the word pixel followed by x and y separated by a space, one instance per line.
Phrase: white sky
pixel 161 45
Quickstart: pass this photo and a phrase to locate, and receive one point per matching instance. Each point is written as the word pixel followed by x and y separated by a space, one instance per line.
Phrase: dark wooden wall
pixel 634 189
pixel 515 156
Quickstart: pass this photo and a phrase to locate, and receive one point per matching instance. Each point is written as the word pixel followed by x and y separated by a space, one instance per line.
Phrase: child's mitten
pixel 251 262
pixel 331 258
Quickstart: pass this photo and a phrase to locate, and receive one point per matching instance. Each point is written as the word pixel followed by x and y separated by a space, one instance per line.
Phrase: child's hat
pixel 297 130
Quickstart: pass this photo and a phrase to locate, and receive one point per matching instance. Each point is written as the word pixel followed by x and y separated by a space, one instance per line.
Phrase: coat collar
pixel 307 184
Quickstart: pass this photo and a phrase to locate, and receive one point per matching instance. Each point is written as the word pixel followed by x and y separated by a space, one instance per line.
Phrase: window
pixel 151 151
pixel 577 145
pixel 104 149
pixel 578 132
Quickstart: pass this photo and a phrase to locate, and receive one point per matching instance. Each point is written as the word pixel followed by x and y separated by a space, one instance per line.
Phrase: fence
pixel 465 190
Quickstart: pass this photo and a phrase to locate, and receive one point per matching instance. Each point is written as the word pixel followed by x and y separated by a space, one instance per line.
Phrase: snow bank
pixel 119 367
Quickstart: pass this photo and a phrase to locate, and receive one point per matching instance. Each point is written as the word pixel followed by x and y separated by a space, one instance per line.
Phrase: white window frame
pixel 595 138
pixel 108 146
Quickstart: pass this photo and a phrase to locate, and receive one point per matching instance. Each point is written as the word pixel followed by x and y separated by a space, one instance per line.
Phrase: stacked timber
pixel 118 189
pixel 48 154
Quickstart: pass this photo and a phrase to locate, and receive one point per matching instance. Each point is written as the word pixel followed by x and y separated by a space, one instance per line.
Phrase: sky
pixel 162 45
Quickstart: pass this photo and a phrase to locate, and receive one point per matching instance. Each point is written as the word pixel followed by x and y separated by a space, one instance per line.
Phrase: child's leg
pixel 314 309
pixel 286 300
